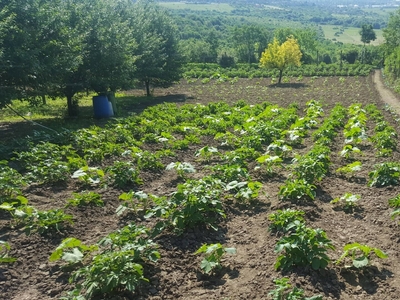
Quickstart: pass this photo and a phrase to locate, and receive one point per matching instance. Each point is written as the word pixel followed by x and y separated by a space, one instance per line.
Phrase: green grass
pixel 57 108
pixel 220 7
pixel 350 35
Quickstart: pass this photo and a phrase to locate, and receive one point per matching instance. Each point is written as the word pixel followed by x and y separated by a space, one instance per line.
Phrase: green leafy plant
pixel 360 254
pixel 395 203
pixel 384 174
pixel 279 148
pixel 11 182
pixel 194 203
pixel 297 189
pixel 124 173
pixel 228 172
pixel 181 168
pixel 133 201
pixel 213 256
pixel 303 247
pixel 89 175
pixel 283 218
pixel 281 292
pixel 72 251
pixel 350 151
pixel 4 250
pixel 350 170
pixel 244 191
pixel 132 237
pixel 118 267
pixel 270 163
pixel 207 153
pixel 107 273
pixel 348 201
pixel 85 198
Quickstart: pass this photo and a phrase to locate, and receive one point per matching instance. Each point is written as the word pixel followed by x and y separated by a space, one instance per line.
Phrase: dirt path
pixel 386 95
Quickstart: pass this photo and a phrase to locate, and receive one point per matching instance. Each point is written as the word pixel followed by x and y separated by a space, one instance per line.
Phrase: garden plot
pixel 238 190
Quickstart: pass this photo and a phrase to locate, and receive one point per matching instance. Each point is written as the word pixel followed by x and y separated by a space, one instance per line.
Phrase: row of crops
pixel 203 70
pixel 231 152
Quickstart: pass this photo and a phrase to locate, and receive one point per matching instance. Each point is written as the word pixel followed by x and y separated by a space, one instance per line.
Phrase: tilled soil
pixel 249 274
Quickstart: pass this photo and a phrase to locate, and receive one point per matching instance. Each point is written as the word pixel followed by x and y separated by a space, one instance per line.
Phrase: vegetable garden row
pixel 177 171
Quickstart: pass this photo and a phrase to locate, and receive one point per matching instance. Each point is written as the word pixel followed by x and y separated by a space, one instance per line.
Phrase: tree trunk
pixel 44 100
pixel 72 107
pixel 280 76
pixel 147 83
pixel 111 98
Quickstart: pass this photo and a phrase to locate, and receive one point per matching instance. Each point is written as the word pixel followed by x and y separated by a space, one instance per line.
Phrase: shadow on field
pixel 294 85
pixel 138 104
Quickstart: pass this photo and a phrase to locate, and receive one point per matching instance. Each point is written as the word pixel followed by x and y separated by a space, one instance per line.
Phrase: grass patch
pixel 350 35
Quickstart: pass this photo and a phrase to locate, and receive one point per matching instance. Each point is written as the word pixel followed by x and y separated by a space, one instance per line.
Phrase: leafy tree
pixel 279 57
pixel 392 32
pixel 367 34
pixel 249 42
pixel 306 38
pixel 109 46
pixel 35 46
pixel 158 57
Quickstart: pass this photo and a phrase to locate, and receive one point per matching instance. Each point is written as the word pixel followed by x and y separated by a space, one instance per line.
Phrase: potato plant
pixel 360 254
pixel 213 254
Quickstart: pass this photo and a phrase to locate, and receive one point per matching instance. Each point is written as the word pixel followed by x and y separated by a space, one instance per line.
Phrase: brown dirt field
pixel 249 274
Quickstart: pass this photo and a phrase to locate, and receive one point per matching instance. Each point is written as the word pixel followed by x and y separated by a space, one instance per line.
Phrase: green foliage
pixel 349 152
pixel 124 173
pixel 229 173
pixel 348 201
pixel 244 191
pixel 133 201
pixel 181 168
pixel 207 153
pixel 350 169
pixel 303 247
pixel 89 176
pixel 85 198
pixel 108 272
pixel 132 237
pixel 4 249
pixel 281 291
pixel 155 33
pixel 385 140
pixel 395 203
pixel 297 189
pixel 71 250
pixel 384 174
pixel 213 256
pixel 283 218
pixel 196 202
pixel 118 267
pixel 360 254
pixel 270 163
pixel 34 220
pixel 367 33
pixel 11 183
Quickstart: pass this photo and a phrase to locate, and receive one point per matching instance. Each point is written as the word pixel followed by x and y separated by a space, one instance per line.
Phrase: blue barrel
pixel 102 107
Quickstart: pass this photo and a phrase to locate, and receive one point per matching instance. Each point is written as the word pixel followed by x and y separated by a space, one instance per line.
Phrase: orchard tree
pixel 158 60
pixel 367 34
pixel 249 42
pixel 280 56
pixel 34 48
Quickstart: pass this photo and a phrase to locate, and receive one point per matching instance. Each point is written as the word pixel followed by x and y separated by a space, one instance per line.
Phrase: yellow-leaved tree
pixel 279 57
